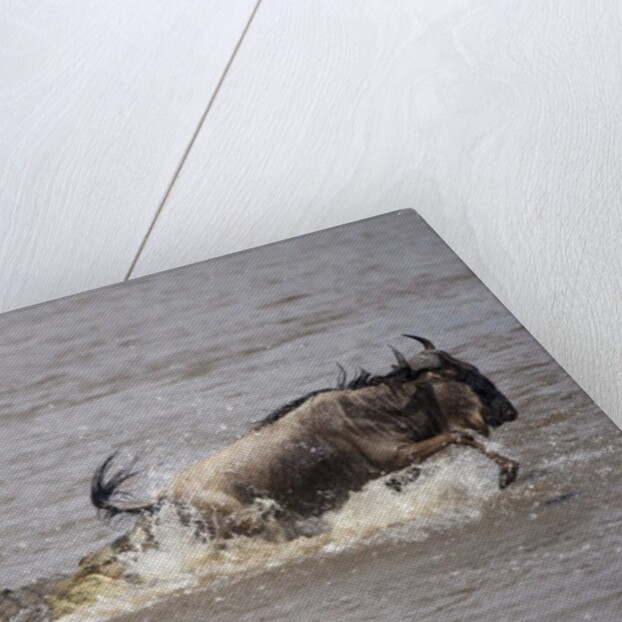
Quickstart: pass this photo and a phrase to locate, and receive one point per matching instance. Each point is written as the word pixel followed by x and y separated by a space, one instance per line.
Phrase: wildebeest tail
pixel 105 485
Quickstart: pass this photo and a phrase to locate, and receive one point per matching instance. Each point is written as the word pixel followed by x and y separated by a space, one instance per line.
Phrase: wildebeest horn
pixel 342 379
pixel 425 360
pixel 426 343
pixel 401 359
pixel 428 359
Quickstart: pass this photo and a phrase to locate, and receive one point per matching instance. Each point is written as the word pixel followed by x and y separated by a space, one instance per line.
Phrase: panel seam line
pixel 186 153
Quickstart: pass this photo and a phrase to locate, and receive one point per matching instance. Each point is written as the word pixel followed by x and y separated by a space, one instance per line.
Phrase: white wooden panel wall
pixel 498 120
pixel 98 102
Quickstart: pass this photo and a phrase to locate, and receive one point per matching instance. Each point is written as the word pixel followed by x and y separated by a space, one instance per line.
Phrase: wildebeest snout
pixel 502 411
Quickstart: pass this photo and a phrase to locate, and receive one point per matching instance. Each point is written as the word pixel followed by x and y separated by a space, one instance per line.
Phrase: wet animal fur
pixel 310 454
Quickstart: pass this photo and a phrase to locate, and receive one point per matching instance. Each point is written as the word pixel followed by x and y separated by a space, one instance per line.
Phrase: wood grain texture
pixel 98 102
pixel 499 121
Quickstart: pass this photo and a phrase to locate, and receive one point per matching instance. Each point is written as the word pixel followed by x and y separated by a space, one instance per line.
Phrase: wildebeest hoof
pixel 508 474
pixel 398 482
pixel 394 484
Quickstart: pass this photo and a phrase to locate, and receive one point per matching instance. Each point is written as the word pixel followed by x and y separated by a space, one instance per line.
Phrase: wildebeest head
pixel 497 408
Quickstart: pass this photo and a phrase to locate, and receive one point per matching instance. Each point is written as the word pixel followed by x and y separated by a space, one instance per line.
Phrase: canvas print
pixel 342 426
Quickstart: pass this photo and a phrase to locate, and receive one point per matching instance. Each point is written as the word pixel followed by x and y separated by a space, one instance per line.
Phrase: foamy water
pixel 452 489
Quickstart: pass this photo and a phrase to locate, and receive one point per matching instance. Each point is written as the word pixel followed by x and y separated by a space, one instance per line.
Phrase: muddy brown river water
pixel 179 364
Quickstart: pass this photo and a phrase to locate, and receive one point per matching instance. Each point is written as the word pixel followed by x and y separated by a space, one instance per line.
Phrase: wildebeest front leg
pixel 413 453
pixel 508 467
pixel 391 457
pixel 409 454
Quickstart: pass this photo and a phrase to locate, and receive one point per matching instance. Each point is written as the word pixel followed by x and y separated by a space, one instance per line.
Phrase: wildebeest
pixel 309 455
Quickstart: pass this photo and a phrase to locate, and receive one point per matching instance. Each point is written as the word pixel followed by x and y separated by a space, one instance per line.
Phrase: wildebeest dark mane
pixel 400 373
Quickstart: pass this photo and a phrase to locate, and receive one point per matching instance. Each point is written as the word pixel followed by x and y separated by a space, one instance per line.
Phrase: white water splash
pixel 452 489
